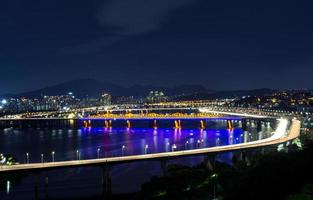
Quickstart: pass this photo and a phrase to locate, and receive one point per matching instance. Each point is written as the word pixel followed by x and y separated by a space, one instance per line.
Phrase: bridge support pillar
pixel 209 161
pixel 164 166
pixel 243 156
pixel 262 150
pixel 36 188
pixel 46 186
pixel 244 124
pixel 259 126
pixel 106 182
pixel 239 157
pixel 286 148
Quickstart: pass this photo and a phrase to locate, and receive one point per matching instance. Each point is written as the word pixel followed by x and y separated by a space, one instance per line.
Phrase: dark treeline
pixel 275 175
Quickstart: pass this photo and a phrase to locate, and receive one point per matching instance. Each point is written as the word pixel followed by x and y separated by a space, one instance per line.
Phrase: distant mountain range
pixel 93 88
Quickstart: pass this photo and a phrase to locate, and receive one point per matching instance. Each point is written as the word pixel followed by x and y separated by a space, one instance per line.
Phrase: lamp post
pixel 98 153
pixel 77 155
pixel 186 144
pixel 27 158
pixel 52 155
pixel 198 142
pixel 123 150
pixel 146 149
pixel 41 156
pixel 168 146
pixel 174 147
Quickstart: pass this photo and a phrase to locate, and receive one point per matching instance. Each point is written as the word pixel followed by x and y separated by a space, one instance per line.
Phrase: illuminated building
pixel 156 96
pixel 105 99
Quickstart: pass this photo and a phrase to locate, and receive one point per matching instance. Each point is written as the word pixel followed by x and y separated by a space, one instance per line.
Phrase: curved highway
pixel 281 135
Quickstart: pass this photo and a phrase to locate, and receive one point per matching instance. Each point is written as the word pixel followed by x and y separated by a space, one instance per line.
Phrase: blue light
pixel 160 118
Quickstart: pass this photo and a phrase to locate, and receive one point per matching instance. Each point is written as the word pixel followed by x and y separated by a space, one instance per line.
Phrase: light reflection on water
pixel 66 142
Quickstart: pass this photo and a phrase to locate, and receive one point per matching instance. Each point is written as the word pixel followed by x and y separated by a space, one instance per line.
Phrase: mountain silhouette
pixel 94 88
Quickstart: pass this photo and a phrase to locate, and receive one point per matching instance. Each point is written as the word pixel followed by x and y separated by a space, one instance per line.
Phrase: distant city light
pixel 65 108
pixel 71 116
pixel 4 101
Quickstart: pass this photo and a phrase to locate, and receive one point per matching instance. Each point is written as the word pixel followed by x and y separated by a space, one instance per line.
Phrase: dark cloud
pixel 121 19
pixel 132 17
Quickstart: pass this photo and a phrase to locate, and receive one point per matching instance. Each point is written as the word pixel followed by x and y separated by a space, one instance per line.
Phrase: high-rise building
pixel 105 99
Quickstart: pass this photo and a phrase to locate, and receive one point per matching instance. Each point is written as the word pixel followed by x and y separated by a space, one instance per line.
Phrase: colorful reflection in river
pixel 120 141
pixel 107 142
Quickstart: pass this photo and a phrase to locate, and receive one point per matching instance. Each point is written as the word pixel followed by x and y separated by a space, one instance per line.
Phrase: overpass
pixel 280 136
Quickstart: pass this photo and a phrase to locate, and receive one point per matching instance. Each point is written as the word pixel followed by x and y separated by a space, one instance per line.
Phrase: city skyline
pixel 156 99
pixel 221 45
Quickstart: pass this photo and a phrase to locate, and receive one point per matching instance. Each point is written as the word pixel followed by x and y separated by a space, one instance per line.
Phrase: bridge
pixel 128 118
pixel 280 136
pixel 74 113
pixel 204 112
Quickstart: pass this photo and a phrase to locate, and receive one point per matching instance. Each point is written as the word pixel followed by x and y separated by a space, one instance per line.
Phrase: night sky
pixel 219 44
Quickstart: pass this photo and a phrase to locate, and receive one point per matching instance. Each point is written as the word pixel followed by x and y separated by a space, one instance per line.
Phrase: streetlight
pixel 146 149
pixel 41 158
pixel 202 141
pixel 174 147
pixel 217 141
pixel 52 155
pixel 98 153
pixel 77 155
pixel 27 158
pixel 198 142
pixel 186 144
pixel 123 149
